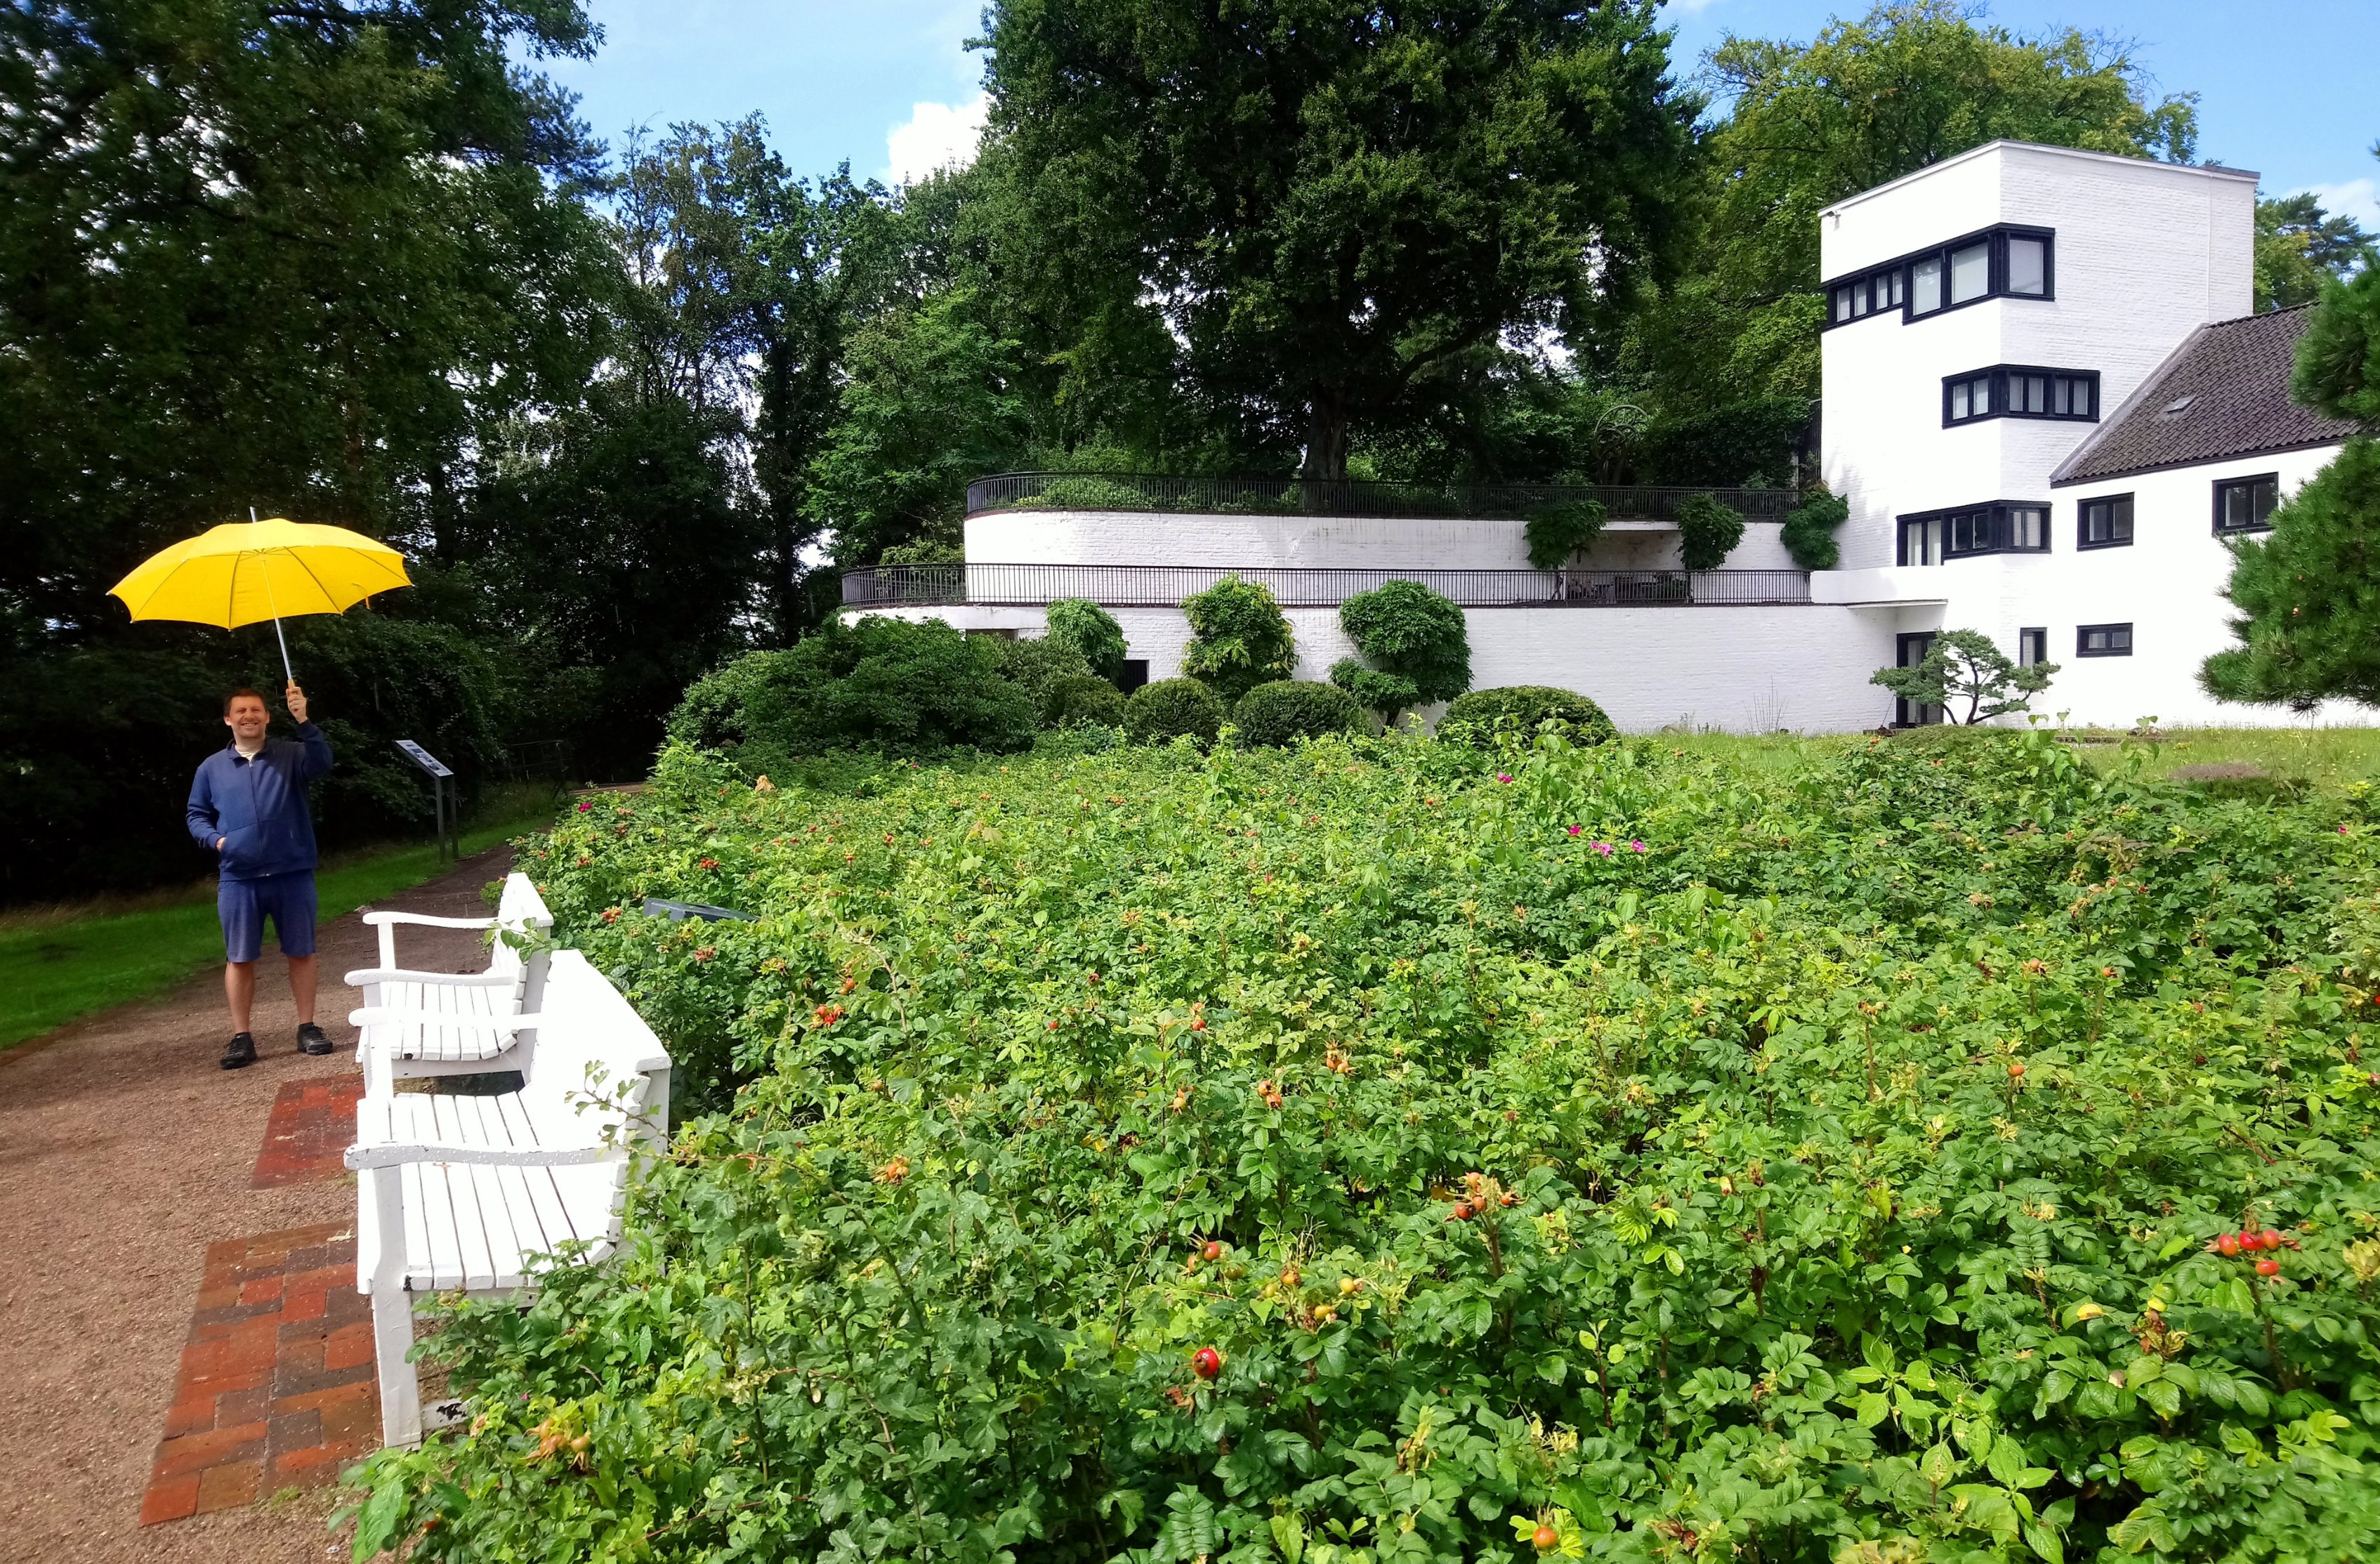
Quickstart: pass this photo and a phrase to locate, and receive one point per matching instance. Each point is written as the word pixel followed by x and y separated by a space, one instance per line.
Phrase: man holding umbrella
pixel 248 807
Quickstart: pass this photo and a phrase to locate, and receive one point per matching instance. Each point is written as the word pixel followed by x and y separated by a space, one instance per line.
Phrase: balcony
pixel 1345 497
pixel 1165 586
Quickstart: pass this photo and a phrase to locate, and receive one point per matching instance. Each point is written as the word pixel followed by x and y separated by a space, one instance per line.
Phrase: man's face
pixel 247 720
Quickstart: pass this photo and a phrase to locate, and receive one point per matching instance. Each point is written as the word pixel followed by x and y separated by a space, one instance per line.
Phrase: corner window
pixel 1997 262
pixel 2246 504
pixel 2021 391
pixel 2105 524
pixel 2103 641
pixel 2003 527
pixel 2032 646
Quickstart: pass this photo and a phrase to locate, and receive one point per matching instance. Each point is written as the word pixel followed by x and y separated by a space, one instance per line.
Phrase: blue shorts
pixel 286 899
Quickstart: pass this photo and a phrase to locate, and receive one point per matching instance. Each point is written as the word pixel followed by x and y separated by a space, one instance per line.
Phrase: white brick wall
pixel 1247 542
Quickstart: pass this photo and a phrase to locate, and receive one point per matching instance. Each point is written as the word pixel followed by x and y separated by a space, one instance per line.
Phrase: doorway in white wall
pixel 1913 645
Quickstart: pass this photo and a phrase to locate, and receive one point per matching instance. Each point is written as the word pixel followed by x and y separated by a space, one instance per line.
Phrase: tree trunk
pixel 1325 436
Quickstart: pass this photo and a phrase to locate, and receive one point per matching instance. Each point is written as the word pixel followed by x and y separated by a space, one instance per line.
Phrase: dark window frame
pixel 2082 522
pixel 2004 405
pixel 1996 287
pixel 2032 646
pixel 1909 649
pixel 2000 529
pixel 2223 486
pixel 2082 639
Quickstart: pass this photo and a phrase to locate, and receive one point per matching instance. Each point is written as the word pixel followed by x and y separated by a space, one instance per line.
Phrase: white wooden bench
pixel 450 1023
pixel 477 1194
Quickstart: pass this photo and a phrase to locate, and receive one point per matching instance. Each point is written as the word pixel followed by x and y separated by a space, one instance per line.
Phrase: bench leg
pixel 400 1394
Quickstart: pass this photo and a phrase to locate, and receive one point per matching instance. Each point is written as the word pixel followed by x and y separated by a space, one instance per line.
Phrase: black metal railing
pixel 1165 586
pixel 1345 497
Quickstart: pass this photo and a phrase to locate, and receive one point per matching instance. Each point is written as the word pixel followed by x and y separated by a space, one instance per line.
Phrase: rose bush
pixel 1340 1155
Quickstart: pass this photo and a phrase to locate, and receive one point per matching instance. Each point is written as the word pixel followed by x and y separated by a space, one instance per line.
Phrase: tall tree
pixel 1339 208
pixel 2299 245
pixel 1863 102
pixel 280 255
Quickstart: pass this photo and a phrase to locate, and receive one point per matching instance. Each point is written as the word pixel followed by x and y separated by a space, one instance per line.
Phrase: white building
pixel 2046 402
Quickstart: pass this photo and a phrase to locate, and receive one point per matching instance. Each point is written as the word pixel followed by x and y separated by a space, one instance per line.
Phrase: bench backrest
pixel 522 910
pixel 594 1045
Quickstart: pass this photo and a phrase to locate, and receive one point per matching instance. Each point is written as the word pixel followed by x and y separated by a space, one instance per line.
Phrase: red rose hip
pixel 1547 1539
pixel 2268 1267
pixel 1206 1363
pixel 2227 1243
pixel 2269 1239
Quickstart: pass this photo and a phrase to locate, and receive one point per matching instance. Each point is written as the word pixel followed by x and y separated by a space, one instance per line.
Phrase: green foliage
pixel 1708 530
pixel 2337 369
pixel 1239 637
pixel 1091 631
pixel 1087 701
pixel 1965 666
pixel 1172 709
pixel 1418 180
pixel 1809 531
pixel 1415 635
pixel 2306 624
pixel 1037 665
pixel 1555 533
pixel 2300 247
pixel 1387 694
pixel 884 686
pixel 1794 1262
pixel 1516 713
pixel 1288 709
pixel 925 551
pixel 1738 443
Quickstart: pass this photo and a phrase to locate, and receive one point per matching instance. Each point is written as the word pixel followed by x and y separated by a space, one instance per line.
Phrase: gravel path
pixel 125 1151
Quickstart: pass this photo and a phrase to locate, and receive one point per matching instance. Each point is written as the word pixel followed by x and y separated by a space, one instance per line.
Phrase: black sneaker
pixel 242 1053
pixel 310 1039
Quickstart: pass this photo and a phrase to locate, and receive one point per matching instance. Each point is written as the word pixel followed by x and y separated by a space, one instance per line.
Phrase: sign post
pixel 448 815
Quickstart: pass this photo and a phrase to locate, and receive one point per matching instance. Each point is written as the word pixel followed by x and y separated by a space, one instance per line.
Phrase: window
pixel 1971 273
pixel 2105 524
pixel 1997 262
pixel 2028 266
pixel 2103 641
pixel 2032 646
pixel 2004 528
pixel 2246 504
pixel 2021 391
pixel 1910 649
pixel 1925 285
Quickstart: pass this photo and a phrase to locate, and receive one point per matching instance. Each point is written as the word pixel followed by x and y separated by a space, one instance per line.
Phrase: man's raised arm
pixel 317 758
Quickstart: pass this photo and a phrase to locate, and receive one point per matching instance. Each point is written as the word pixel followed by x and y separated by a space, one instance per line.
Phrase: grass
pixel 57 965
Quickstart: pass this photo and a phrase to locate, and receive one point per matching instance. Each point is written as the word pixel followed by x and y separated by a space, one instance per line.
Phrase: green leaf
pixel 381 1518
pixel 2045 1543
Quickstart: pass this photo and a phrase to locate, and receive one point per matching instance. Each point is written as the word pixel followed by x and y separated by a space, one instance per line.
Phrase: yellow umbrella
pixel 244 573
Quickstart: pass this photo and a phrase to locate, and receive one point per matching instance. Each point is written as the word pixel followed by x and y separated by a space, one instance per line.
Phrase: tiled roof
pixel 2225 392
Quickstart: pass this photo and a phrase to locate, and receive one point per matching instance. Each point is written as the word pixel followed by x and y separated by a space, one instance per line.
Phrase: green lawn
pixel 52 972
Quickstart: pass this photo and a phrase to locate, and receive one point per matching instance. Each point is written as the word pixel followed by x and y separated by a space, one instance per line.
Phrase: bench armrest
pixel 362 976
pixel 424 918
pixel 376 1015
pixel 398 1154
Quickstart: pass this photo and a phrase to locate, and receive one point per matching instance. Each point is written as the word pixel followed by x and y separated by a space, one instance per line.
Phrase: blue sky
pixel 2285 87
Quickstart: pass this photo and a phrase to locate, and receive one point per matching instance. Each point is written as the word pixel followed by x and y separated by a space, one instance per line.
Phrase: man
pixel 248 807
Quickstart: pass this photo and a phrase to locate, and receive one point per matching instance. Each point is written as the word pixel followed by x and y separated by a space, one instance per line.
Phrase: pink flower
pixel 1575 829
pixel 1602 847
pixel 1635 847
pixel 2342 831
pixel 583 806
pixel 1503 776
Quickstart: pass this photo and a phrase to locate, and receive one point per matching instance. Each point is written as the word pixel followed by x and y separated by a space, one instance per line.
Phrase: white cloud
pixel 936 136
pixel 2359 198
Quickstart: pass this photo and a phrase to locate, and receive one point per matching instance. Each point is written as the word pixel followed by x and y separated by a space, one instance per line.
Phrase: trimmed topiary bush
pixel 1288 709
pixel 882 684
pixel 1479 717
pixel 1240 637
pixel 1081 701
pixel 1092 632
pixel 1708 531
pixel 1809 531
pixel 1556 532
pixel 1172 708
pixel 1415 636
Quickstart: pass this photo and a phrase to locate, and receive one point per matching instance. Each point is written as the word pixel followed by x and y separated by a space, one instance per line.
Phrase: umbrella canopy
pixel 247 572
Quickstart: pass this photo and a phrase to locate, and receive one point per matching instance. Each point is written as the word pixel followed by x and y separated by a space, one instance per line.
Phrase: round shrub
pixel 1556 532
pixel 1172 708
pixel 1239 637
pixel 1809 531
pixel 883 685
pixel 1034 666
pixel 1288 709
pixel 1708 531
pixel 1092 631
pixel 1081 700
pixel 1408 631
pixel 1520 710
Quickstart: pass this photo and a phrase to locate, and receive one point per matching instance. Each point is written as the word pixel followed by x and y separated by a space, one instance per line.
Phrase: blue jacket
pixel 259 807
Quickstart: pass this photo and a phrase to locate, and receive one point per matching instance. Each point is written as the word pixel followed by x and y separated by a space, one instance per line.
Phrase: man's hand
pixel 218 842
pixel 296 700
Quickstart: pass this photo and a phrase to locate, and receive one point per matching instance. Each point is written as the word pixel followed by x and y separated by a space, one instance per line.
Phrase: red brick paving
pixel 277 1387
pixel 307 1137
